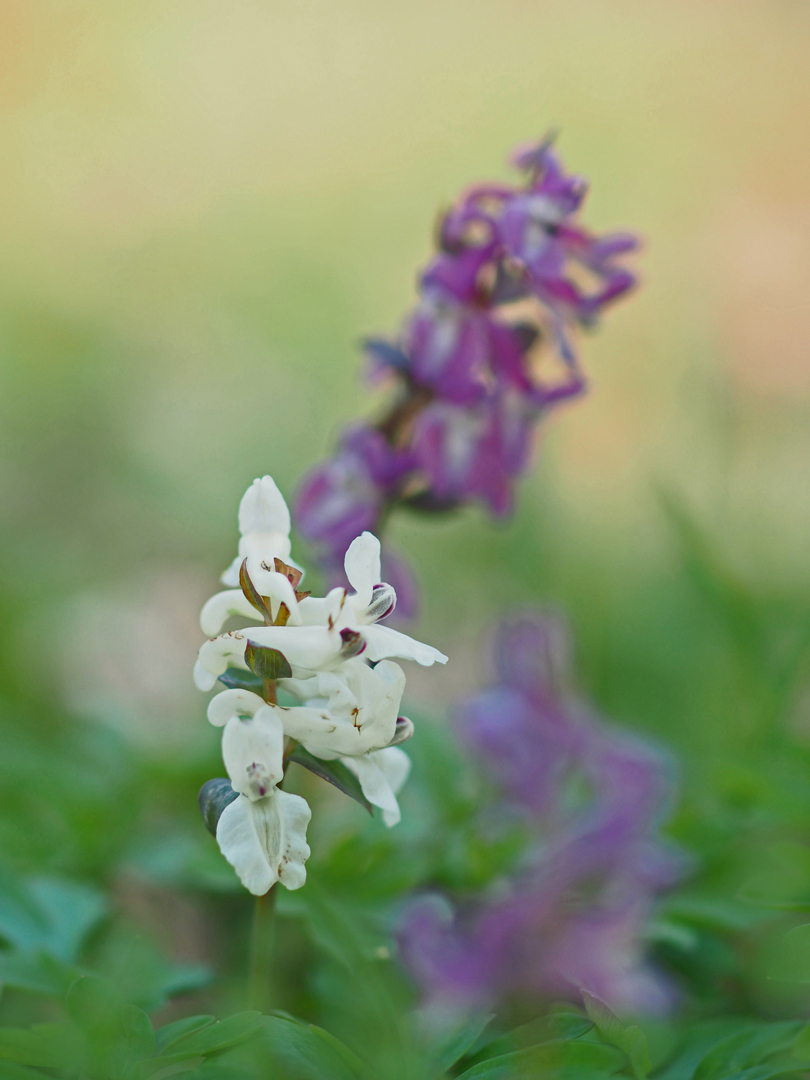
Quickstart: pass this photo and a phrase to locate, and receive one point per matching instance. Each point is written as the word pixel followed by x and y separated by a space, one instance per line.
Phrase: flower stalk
pixel 334 658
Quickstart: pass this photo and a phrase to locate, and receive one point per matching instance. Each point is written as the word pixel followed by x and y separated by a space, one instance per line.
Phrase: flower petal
pixel 362 565
pixel 233 703
pixel 383 641
pixel 221 607
pixel 265 841
pixel 263 509
pixel 359 714
pixel 381 775
pixel 306 647
pixel 253 752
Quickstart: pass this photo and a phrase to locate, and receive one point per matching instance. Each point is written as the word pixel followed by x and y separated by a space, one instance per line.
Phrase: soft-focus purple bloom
pixel 469 392
pixel 573 914
pixel 474 453
pixel 346 495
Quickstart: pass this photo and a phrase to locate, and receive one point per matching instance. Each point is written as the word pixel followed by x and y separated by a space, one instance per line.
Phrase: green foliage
pixel 692 638
pixel 104 1039
pixel 267 663
pixel 237 679
pixel 629 1038
pixel 792 960
pixel 334 772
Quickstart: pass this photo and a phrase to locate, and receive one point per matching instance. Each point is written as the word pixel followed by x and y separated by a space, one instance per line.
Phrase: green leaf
pixel 631 1040
pixel 335 772
pixel 748 1048
pixel 141 973
pixel 212 1038
pixel 695 1043
pixel 267 663
pixel 566 1060
pixel 306 1054
pixel 71 911
pixel 455 1045
pixel 551 1028
pixel 341 1049
pixel 93 1004
pixel 252 594
pixel 45 1045
pixel 170 1034
pixel 237 679
pixel 37 973
pixel 713 913
pixel 791 962
pixel 138 1031
pixel 52 914
pixel 10 1071
pixel 214 796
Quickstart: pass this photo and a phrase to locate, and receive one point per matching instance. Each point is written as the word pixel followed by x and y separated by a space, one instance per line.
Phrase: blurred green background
pixel 204 205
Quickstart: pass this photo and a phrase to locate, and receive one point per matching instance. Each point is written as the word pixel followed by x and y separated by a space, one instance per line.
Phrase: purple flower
pixel 537 233
pixel 573 914
pixel 347 494
pixel 469 371
pixel 475 453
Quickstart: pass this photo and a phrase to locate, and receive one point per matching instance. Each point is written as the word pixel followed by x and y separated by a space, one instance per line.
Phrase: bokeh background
pixel 204 205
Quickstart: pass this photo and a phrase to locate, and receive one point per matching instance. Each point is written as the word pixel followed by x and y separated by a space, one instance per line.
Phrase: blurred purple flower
pixel 474 453
pixel 469 391
pixel 347 494
pixel 573 915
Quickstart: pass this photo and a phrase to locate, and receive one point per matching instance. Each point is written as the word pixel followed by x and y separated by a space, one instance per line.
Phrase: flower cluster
pixel 331 658
pixel 572 916
pixel 514 272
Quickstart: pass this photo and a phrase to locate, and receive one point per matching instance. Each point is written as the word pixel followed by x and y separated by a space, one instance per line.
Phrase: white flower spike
pixel 331 655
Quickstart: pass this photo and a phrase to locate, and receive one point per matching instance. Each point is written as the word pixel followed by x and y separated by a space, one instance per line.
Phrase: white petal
pixel 381 775
pixel 359 715
pixel 217 655
pixel 265 841
pixel 277 588
pixel 308 647
pixel 231 703
pixel 318 610
pixel 222 606
pixel 362 564
pixel 383 641
pixel 231 575
pixel 263 509
pixel 394 764
pixel 203 678
pixel 253 752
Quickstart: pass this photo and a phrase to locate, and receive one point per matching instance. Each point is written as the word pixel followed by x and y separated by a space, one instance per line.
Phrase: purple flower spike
pixel 473 372
pixel 347 494
pixel 573 915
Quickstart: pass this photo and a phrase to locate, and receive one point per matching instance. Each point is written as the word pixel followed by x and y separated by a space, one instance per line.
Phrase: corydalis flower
pixel 487 353
pixel 329 653
pixel 572 915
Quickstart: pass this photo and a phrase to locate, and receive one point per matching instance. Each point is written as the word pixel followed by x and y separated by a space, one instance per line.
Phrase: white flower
pixel 381 775
pixel 341 671
pixel 264 524
pixel 335 627
pixel 265 840
pixel 352 711
pixel 253 752
pixel 358 709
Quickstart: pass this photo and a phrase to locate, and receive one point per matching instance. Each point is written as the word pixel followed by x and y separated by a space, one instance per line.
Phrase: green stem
pixel 261 951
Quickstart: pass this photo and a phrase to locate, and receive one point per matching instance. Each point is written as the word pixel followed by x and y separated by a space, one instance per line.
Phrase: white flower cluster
pixel 331 654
